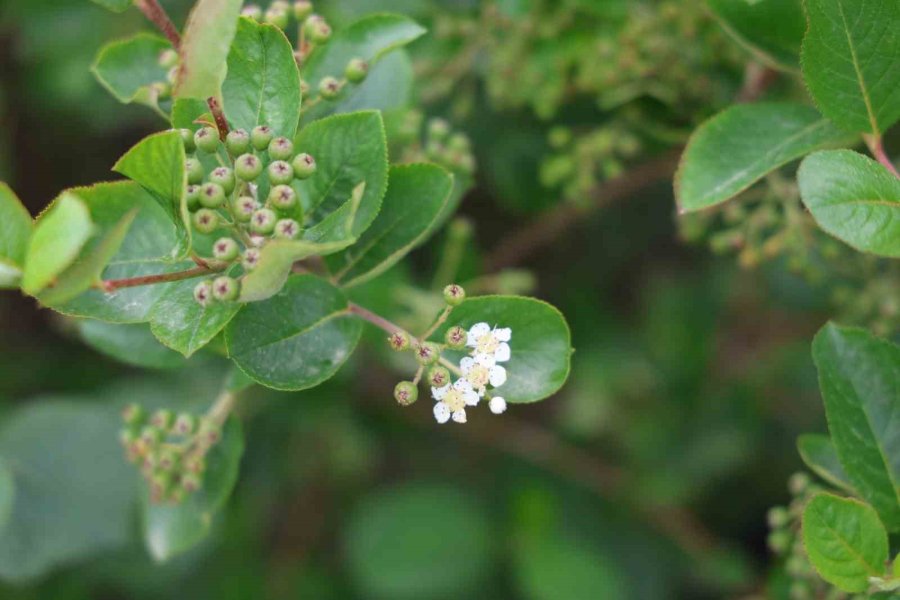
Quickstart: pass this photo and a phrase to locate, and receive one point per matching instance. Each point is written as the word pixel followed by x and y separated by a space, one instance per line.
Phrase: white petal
pixel 462 385
pixel 485 360
pixel 439 393
pixel 476 331
pixel 466 364
pixel 441 412
pixel 498 405
pixel 471 398
pixel 502 353
pixel 504 334
pixel 459 416
pixel 497 376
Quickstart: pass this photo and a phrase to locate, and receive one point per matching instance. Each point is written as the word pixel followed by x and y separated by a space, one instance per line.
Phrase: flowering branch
pixel 157 15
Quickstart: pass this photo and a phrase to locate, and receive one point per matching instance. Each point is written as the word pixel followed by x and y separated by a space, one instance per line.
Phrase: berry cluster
pixel 441 145
pixel 226 197
pixel 170 450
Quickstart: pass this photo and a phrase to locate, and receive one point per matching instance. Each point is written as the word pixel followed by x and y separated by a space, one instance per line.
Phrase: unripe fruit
pixel 304 165
pixel 150 436
pixel 195 464
pixel 329 88
pixel 356 70
pixel 226 249
pixel 206 220
pixel 247 167
pixel 209 433
pixel 287 229
pixel 280 172
pixel 243 208
pixel 456 337
pixel 438 129
pixel 406 393
pixel 454 294
pixel 317 30
pixel 168 58
pixel 203 293
pixel 281 148
pixel 133 414
pixel 438 376
pixel 263 221
pixel 398 341
pixel 283 197
pixel 207 139
pixel 187 138
pixel 302 9
pixel 192 197
pixel 194 170
pixel 168 459
pixel 250 259
pixel 212 195
pixel 428 353
pixel 190 483
pixel 224 177
pixel 225 288
pixel 778 516
pixel 237 142
pixel 459 142
pixel 252 11
pixel 162 419
pixel 260 137
pixel 277 17
pixel 185 424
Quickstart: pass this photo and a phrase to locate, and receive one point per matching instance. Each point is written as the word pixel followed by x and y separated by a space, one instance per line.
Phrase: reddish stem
pixel 157 15
pixel 216 109
pixel 111 285
pixel 877 148
pixel 374 319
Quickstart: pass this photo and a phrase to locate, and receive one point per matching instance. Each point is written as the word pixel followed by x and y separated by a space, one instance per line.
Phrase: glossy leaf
pixel 170 529
pixel 540 344
pixel 207 37
pixel 15 231
pixel 851 62
pixel 845 541
pixel 736 148
pixel 296 339
pixel 263 83
pixel 853 198
pixel 859 380
pixel 819 454
pixel 771 29
pixel 416 196
pixel 130 344
pixel 128 68
pixel 58 237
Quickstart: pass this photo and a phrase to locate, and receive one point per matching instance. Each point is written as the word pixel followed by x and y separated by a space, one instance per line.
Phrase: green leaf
pixel 169 529
pixel 59 234
pixel 74 491
pixel 263 83
pixel 845 541
pixel 130 344
pixel 851 62
pixel 540 344
pixel 771 29
pixel 186 111
pixel 548 566
pixel 207 37
pixel 7 493
pixel 114 5
pixel 736 148
pixel 853 198
pixel 415 197
pixel 819 454
pixel 127 68
pixel 157 164
pixel 859 380
pixel 349 149
pixel 15 231
pixel 430 555
pixel 296 339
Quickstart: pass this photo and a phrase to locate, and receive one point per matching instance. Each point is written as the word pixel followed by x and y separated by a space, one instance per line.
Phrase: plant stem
pixel 111 285
pixel 876 147
pixel 221 123
pixel 222 407
pixel 440 320
pixel 377 320
pixel 158 16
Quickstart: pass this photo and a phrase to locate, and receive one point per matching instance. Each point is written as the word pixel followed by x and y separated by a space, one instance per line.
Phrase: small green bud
pixel 406 393
pixel 356 70
pixel 302 9
pixel 317 29
pixel 162 419
pixel 438 129
pixel 192 197
pixel 190 483
pixel 428 353
pixel 263 221
pixel 226 249
pixel 212 195
pixel 194 170
pixel 304 165
pixel 209 433
pixel 260 137
pixel 243 208
pixel 237 141
pixel 247 167
pixel 151 436
pixel 133 414
pixel 275 16
pixel 283 197
pixel 281 148
pixel 438 376
pixel 250 258
pixel 454 294
pixel 187 138
pixel 206 220
pixel 287 229
pixel 185 424
pixel 168 459
pixel 398 341
pixel 456 337
pixel 168 58
pixel 203 293
pixel 252 11
pixel 280 172
pixel 329 88
pixel 206 139
pixel 224 177
pixel 225 288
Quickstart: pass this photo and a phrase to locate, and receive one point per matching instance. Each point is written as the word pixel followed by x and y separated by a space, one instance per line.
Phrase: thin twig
pixel 757 79
pixel 376 320
pixel 876 147
pixel 222 407
pixel 157 15
pixel 111 285
pixel 221 123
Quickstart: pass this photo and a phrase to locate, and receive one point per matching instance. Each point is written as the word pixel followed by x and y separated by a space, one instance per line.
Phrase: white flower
pixel 492 342
pixel 452 401
pixel 498 405
pixel 482 370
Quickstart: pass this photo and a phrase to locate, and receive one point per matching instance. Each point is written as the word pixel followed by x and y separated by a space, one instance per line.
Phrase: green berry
pixel 160 486
pixel 203 293
pixel 304 165
pixel 151 436
pixel 192 197
pixel 226 249
pixel 252 11
pixel 162 419
pixel 209 433
pixel 317 29
pixel 778 517
pixel 428 353
pixel 194 170
pixel 190 483
pixel 133 414
pixel 438 129
pixel 185 424
pixel 168 58
pixel 406 393
pixel 281 148
pixel 398 341
pixel 260 137
pixel 168 459
pixel 263 221
pixel 456 337
pixel 247 167
pixel 356 70
pixel 438 376
pixel 277 17
pixel 302 9
pixel 206 220
pixel 224 177
pixel 454 294
pixel 280 172
pixel 225 288
pixel 243 208
pixel 250 259
pixel 237 141
pixel 207 139
pixel 187 138
pixel 287 229
pixel 195 464
pixel 329 88
pixel 212 195
pixel 283 197
pixel 798 483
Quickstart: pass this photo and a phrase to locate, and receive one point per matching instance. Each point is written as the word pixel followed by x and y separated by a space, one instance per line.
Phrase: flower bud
pixel 206 139
pixel 168 58
pixel 329 88
pixel 317 29
pixel 225 288
pixel 185 424
pixel 250 259
pixel 243 208
pixel 212 195
pixel 302 9
pixel 304 165
pixel 133 414
pixel 406 393
pixel 203 293
pixel 192 197
pixel 252 11
pixel 456 337
pixel 280 172
pixel 162 419
pixel 237 141
pixel 283 197
pixel 356 70
pixel 224 177
pixel 194 170
pixel 281 148
pixel 226 249
pixel 438 376
pixel 398 341
pixel 287 229
pixel 190 483
pixel 277 17
pixel 428 353
pixel 187 138
pixel 206 220
pixel 497 405
pixel 247 167
pixel 263 221
pixel 438 129
pixel 454 294
pixel 260 137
